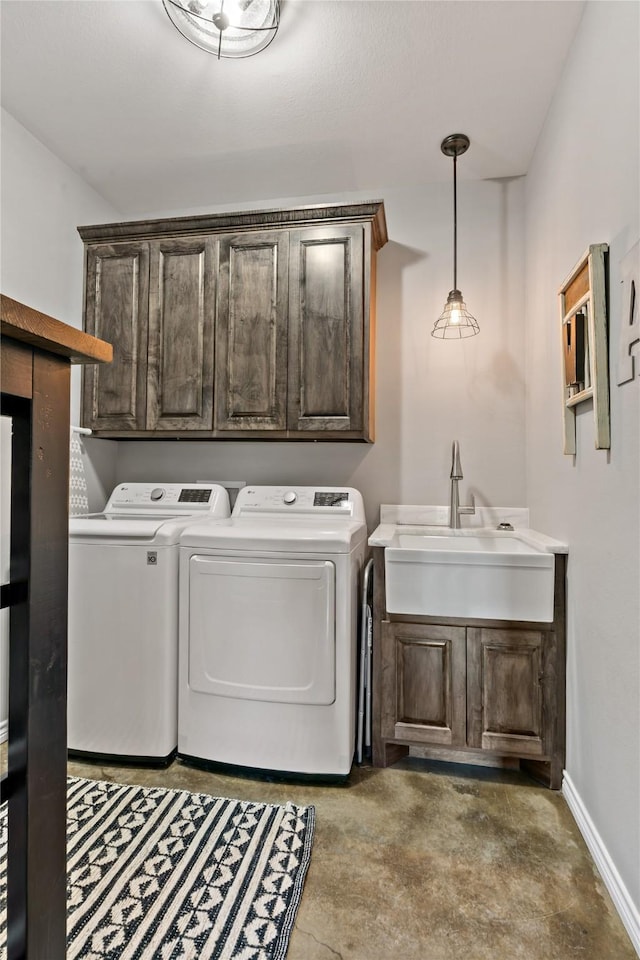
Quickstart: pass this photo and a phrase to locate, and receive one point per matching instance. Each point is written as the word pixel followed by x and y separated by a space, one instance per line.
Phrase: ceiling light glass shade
pixel 455 321
pixel 226 28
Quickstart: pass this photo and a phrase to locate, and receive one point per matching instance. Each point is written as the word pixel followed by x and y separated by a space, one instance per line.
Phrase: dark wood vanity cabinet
pixel 465 690
pixel 233 326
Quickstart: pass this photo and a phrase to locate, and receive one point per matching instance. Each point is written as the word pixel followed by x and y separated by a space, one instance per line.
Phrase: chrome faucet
pixel 454 503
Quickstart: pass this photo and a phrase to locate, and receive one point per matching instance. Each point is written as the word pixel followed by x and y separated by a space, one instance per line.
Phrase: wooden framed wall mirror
pixel 583 313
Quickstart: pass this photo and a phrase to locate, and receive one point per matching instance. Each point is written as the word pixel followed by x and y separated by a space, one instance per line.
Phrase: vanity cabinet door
pixel 328 357
pixel 509 684
pixel 116 310
pixel 251 332
pixel 423 683
pixel 181 327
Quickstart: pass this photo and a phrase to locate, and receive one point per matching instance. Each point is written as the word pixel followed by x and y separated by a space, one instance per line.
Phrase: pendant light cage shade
pixel 226 28
pixel 455 321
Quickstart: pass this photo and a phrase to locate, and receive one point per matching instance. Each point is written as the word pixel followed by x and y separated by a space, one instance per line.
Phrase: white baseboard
pixel 4 730
pixel 629 913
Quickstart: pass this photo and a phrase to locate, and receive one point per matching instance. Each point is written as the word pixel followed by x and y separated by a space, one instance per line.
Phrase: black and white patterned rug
pixel 158 874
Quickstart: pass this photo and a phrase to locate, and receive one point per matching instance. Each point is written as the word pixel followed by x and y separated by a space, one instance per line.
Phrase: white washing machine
pixel 268 632
pixel 123 619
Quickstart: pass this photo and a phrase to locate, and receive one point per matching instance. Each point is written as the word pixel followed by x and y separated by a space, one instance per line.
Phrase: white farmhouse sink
pixel 468 573
pixel 461 542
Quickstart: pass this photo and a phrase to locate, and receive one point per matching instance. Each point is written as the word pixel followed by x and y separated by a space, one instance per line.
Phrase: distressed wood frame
pixel 584 292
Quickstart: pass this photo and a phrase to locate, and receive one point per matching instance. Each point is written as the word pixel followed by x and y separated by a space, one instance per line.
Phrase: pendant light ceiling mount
pixel 455 321
pixel 455 145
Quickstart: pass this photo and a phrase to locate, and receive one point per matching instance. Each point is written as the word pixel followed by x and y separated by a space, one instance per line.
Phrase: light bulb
pixel 456 315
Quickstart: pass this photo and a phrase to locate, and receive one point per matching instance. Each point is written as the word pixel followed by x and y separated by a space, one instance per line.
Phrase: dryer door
pixel 262 629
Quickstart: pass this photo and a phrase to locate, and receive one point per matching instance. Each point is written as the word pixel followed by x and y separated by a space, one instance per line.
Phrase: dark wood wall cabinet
pixel 469 690
pixel 257 325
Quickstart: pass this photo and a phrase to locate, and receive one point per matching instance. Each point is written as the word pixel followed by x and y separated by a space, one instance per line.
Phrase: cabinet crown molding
pixel 236 222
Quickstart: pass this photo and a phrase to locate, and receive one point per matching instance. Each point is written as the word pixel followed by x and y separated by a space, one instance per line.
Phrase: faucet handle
pixel 471 508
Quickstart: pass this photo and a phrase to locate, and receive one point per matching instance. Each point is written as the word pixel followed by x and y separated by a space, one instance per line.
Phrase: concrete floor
pixel 432 861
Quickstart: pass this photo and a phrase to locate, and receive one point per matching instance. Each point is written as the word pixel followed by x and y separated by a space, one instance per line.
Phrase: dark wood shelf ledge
pixel 29 326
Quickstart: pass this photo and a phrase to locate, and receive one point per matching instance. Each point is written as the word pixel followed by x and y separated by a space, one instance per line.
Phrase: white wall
pixel 429 392
pixel 42 202
pixel 583 188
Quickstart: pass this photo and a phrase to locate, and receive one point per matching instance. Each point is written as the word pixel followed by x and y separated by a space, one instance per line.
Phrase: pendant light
pixel 226 28
pixel 455 321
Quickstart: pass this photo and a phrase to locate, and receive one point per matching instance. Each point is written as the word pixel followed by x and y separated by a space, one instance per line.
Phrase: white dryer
pixel 123 619
pixel 268 632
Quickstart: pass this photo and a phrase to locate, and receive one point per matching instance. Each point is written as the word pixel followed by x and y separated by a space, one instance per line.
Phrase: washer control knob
pixel 290 497
pixel 157 493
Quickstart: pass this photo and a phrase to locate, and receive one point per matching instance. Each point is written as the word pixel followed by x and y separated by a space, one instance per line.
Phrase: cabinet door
pixel 181 323
pixel 328 378
pixel 116 310
pixel 251 333
pixel 425 701
pixel 507 701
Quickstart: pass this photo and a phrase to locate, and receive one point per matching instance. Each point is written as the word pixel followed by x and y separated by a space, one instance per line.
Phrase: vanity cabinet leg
pixel 385 754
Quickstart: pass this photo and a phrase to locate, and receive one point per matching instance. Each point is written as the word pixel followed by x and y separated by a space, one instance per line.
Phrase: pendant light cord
pixel 455 226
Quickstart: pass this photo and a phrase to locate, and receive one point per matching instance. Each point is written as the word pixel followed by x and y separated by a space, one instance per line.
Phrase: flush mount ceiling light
pixel 227 28
pixel 455 321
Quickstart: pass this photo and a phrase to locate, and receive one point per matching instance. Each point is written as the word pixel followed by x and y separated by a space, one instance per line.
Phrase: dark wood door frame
pixel 37 352
pixel 36 782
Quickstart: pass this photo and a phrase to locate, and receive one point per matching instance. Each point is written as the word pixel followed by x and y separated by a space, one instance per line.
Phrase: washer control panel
pixel 330 498
pixel 174 498
pixel 299 501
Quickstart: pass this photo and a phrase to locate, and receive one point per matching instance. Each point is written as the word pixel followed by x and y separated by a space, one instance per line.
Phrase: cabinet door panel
pixel 251 365
pixel 326 329
pixel 505 691
pixel 116 310
pixel 181 323
pixel 430 684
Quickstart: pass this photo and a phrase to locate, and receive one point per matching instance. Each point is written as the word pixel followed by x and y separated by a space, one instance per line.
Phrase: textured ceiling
pixel 351 95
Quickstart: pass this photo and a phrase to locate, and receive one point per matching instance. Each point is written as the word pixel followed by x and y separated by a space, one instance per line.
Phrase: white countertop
pixel 435 519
